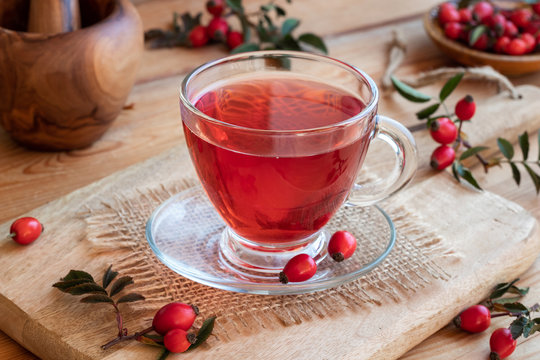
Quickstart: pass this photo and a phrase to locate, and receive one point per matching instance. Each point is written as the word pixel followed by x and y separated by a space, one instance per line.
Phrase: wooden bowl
pixel 506 64
pixel 62 91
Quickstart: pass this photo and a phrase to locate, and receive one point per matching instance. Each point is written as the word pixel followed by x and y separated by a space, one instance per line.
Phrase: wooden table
pixel 358 32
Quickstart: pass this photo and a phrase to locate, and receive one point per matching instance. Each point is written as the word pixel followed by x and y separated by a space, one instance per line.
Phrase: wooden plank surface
pixel 358 34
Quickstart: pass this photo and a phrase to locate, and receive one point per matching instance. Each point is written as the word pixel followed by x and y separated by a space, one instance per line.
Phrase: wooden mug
pixel 62 91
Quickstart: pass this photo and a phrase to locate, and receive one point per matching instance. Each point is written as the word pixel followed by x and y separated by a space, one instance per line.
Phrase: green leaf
pixel 501 289
pixel 450 86
pixel 408 92
pixel 109 276
pixel 246 29
pixel 516 327
pixel 517 290
pixel 267 7
pixel 64 285
pixel 164 354
pixel 120 284
pixel 427 112
pixel 468 177
pixel 506 148
pixel 263 34
pixel 97 298
pixel 476 33
pixel 289 25
pixel 145 339
pixel 279 11
pixel 516 307
pixel 131 297
pixel 86 288
pixel 204 332
pixel 524 144
pixel 472 151
pixel 515 173
pixel 289 43
pixel 245 48
pixel 505 300
pixel 235 5
pixel 455 172
pixel 534 177
pixel 313 40
pixel 77 274
pixel 527 329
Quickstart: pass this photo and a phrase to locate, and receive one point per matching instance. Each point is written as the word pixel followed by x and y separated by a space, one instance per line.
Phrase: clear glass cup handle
pixel 402 143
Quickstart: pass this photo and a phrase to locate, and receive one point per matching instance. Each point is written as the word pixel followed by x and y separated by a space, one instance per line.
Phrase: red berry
pixel 175 315
pixel 442 157
pixel 521 17
pixel 474 319
pixel 502 343
pixel 536 8
pixel 217 29
pixel 448 13
pixel 482 10
pixel 342 245
pixel 234 39
pixel 530 42
pixel 465 108
pixel 178 340
pixel 215 7
pixel 465 15
pixel 510 29
pixel 25 230
pixel 482 42
pixel 443 130
pixel 516 47
pixel 453 30
pixel 197 36
pixel 501 44
pixel 300 268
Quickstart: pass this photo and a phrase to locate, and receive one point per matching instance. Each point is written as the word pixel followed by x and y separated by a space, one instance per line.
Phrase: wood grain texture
pixel 63 91
pixel 54 16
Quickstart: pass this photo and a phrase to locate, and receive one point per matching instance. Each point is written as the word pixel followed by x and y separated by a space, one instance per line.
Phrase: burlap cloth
pixel 116 229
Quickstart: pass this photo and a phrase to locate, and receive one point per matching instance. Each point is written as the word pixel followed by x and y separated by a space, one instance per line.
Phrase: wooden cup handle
pixel 54 16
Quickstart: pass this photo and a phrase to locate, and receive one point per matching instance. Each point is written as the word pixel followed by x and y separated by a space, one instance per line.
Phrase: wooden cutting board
pixel 496 241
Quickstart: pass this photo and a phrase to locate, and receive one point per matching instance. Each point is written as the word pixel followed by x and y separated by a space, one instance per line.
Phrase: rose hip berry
pixel 536 8
pixel 300 268
pixel 234 39
pixel 530 42
pixel 175 315
pixel 448 13
pixel 510 29
pixel 501 44
pixel 482 10
pixel 465 15
pixel 443 130
pixel 474 319
pixel 521 17
pixel 217 29
pixel 178 340
pixel 501 343
pixel 453 30
pixel 215 7
pixel 197 36
pixel 25 230
pixel 341 245
pixel 465 108
pixel 481 43
pixel 442 157
pixel 516 47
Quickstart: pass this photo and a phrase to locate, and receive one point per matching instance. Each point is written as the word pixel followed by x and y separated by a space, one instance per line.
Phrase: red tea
pixel 284 195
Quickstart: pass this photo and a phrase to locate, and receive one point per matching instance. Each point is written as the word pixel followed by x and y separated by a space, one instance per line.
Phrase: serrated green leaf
pixel 313 40
pixel 77 274
pixel 516 307
pixel 468 177
pixel 476 32
pixel 506 148
pixel 64 285
pixel 245 48
pixel 454 172
pixel 472 151
pixel 131 297
pixel 450 86
pixel 109 276
pixel 120 284
pixel 524 144
pixel 97 298
pixel 408 92
pixel 427 112
pixel 516 327
pixel 534 177
pixel 87 288
pixel 235 5
pixel 289 25
pixel 515 173
pixel 204 332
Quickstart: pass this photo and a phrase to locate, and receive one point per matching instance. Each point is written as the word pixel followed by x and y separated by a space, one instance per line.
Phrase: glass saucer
pixel 185 233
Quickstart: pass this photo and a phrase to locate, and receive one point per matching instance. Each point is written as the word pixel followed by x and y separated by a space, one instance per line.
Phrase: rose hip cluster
pixel 302 267
pixel 445 131
pixel 217 29
pixel 476 319
pixel 486 27
pixel 173 322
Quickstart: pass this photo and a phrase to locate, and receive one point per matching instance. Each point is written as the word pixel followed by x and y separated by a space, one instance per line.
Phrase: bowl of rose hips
pixel 502 34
